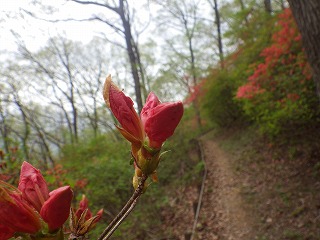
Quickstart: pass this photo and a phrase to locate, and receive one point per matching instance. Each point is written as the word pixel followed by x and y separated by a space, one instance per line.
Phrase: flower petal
pixel 16 214
pixel 151 102
pixel 83 205
pixel 33 186
pixel 5 232
pixel 122 108
pixel 55 211
pixel 161 121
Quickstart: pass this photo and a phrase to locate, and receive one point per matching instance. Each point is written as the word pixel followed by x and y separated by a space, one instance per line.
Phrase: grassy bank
pixel 280 182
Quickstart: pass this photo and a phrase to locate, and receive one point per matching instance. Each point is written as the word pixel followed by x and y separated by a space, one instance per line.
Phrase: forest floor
pixel 250 192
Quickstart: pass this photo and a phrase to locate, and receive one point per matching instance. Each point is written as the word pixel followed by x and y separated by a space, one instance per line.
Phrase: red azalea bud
pixel 123 110
pixel 99 214
pixel 16 214
pixel 55 211
pixel 33 186
pixel 160 119
pixel 152 102
pixel 83 205
pixel 5 232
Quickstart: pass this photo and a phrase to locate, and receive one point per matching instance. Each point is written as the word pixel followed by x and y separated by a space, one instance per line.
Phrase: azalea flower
pixel 25 209
pixel 16 215
pixel 148 132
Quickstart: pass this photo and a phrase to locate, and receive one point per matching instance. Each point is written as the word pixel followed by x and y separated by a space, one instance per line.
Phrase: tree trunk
pixel 307 16
pixel 26 131
pixel 4 130
pixel 282 4
pixel 267 6
pixel 134 63
pixel 132 50
pixel 220 46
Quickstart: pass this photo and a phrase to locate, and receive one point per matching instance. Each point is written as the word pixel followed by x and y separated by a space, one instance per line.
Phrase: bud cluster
pixel 31 208
pixel 146 133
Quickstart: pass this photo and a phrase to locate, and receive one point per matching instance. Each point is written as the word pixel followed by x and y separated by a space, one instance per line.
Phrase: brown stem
pixel 125 211
pixel 125 215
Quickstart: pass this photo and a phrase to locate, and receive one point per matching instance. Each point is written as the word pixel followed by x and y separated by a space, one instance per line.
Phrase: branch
pixel 94 18
pixel 115 9
pixel 125 211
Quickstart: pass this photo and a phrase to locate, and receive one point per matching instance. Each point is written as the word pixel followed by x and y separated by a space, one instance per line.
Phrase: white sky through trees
pixel 35 32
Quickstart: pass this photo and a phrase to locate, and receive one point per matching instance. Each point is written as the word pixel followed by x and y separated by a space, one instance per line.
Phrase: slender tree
pixel 267 6
pixel 184 19
pixel 122 9
pixel 215 7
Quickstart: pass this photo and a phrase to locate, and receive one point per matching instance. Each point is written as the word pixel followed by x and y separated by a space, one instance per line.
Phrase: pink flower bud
pixel 160 119
pixel 33 186
pixel 99 214
pixel 123 110
pixel 16 214
pixel 5 232
pixel 83 205
pixel 55 211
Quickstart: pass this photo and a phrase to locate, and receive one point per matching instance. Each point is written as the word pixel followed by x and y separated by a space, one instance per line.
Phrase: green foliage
pixel 218 102
pixel 102 164
pixel 101 161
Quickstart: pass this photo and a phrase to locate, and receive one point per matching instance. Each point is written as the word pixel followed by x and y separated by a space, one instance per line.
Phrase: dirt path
pixel 260 192
pixel 222 215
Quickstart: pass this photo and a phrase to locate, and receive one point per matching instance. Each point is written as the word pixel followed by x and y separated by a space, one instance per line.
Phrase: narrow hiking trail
pixel 222 215
pixel 254 191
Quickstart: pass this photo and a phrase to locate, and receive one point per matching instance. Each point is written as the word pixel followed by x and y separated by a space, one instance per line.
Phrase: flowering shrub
pixel 279 92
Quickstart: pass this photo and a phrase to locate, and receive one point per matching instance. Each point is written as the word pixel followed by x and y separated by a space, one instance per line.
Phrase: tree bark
pixel 218 23
pixel 133 58
pixel 307 16
pixel 26 129
pixel 4 130
pixel 267 6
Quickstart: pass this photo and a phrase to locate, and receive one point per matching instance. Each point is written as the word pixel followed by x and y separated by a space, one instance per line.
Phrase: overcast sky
pixel 35 32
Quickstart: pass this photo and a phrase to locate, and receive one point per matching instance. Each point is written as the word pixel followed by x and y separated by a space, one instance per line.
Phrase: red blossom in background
pixel 81 183
pixel 283 52
pixel 59 175
pixel 248 91
pixel 195 92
